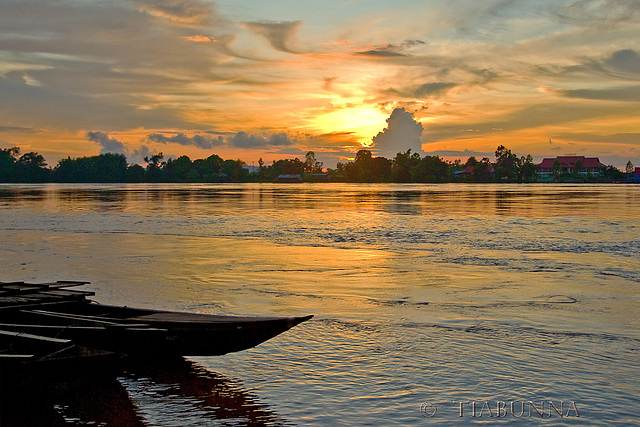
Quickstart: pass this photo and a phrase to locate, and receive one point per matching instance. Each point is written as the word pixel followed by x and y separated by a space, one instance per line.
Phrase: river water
pixel 424 296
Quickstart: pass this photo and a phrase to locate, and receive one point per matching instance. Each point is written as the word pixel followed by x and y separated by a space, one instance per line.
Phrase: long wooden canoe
pixel 50 319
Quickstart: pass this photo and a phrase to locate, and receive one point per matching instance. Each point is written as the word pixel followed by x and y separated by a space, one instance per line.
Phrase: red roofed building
pixel 567 165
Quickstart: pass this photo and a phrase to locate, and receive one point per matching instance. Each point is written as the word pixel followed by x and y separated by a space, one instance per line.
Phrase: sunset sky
pixel 249 79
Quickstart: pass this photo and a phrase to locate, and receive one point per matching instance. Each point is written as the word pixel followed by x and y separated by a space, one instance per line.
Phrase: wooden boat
pixel 47 320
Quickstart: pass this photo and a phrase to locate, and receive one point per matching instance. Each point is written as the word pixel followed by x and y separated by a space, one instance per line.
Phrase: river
pixel 434 304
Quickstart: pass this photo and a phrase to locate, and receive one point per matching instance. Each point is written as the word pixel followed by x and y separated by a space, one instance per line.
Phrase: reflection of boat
pixel 144 391
pixel 63 397
pixel 48 321
pixel 182 389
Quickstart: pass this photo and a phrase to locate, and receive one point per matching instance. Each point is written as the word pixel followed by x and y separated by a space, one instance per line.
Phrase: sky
pixel 274 79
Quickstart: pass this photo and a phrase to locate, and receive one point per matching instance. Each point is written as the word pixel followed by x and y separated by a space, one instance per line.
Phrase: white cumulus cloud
pixel 402 133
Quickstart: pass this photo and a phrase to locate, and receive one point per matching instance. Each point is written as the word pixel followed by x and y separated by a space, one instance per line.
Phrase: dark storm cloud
pixel 198 140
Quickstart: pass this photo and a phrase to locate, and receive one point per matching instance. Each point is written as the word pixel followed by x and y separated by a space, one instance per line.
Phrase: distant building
pixel 469 171
pixel 289 178
pixel 567 165
pixel 636 175
pixel 320 177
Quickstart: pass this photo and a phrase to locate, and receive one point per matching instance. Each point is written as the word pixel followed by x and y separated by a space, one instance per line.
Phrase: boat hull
pixel 48 321
pixel 149 332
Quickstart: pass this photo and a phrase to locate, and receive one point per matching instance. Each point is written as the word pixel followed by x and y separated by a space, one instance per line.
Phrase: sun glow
pixel 362 121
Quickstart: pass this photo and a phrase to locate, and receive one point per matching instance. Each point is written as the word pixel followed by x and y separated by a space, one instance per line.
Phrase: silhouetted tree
pixel 556 170
pixel 28 168
pixel 527 169
pixel 154 167
pixel 179 170
pixel 8 160
pixel 630 170
pixel 401 167
pixel 233 171
pixel 312 165
pixel 483 171
pixel 366 168
pixel 381 169
pixel 471 161
pixel 108 167
pixel 135 173
pixel 286 166
pixel 433 169
pixel 612 173
pixel 507 164
pixel 405 167
pixel 209 169
pixel 577 168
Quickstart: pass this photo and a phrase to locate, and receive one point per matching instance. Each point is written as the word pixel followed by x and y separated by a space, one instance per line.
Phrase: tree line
pixel 411 167
pixel 406 167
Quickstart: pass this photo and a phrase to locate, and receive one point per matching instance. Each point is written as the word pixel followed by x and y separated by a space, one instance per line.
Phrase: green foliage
pixel 135 173
pixel 280 167
pixel 105 168
pixel 507 166
pixel 402 166
pixel 528 168
pixel 405 167
pixel 366 168
pixel 154 167
pixel 576 172
pixel 233 171
pixel 8 161
pixel 28 168
pixel 556 169
pixel 433 169
pixel 483 171
pixel 611 173
pixel 311 165
pixel 177 170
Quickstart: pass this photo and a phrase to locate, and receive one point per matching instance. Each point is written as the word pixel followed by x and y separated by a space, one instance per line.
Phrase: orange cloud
pixel 199 39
